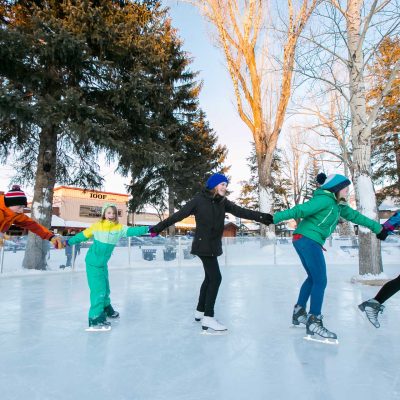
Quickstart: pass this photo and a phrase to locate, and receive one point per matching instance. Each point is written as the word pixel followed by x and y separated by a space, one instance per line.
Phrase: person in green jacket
pixel 319 217
pixel 106 234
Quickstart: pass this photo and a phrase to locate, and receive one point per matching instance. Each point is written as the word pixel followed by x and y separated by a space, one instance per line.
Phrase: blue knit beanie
pixel 334 183
pixel 215 180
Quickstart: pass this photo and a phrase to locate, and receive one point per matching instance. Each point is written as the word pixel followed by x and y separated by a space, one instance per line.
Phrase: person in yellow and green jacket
pixel 319 217
pixel 106 234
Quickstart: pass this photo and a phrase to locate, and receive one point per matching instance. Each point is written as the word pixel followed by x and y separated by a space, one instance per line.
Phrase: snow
pixel 155 351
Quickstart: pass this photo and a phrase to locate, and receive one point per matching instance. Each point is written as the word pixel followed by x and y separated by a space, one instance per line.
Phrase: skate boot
pixel 198 315
pixel 372 308
pixel 213 324
pixel 99 324
pixel 299 315
pixel 110 312
pixel 315 326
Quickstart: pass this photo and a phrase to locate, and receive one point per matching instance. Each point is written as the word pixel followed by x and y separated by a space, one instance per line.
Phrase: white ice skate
pixel 210 326
pixel 198 315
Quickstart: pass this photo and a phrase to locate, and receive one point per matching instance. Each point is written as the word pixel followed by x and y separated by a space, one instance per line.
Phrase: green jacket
pixel 106 235
pixel 321 214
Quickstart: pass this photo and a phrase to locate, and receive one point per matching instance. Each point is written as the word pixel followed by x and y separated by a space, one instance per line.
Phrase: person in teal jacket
pixel 106 234
pixel 319 217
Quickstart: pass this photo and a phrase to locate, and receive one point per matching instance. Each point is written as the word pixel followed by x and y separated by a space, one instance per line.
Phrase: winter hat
pixel 15 197
pixel 334 183
pixel 105 206
pixel 215 180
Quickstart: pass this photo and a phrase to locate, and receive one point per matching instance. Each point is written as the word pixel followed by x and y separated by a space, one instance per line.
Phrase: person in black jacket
pixel 209 208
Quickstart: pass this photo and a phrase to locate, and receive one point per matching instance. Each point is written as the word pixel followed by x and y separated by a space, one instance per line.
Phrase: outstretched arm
pixel 81 236
pixel 184 212
pixel 28 223
pixel 135 231
pixel 357 218
pixel 303 210
pixel 241 212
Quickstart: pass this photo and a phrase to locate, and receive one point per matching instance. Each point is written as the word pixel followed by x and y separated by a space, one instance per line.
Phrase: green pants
pixel 99 289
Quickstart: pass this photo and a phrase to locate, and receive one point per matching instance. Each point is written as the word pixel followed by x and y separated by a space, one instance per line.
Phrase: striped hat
pixel 336 182
pixel 15 197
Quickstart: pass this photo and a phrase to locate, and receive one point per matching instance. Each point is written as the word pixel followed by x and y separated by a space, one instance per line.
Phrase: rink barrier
pixel 133 253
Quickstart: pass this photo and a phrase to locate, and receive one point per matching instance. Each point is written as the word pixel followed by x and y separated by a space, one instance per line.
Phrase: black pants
pixel 209 287
pixel 388 290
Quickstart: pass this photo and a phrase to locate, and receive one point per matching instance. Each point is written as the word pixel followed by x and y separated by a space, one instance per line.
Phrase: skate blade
pixel 91 329
pixel 301 326
pixel 210 332
pixel 322 340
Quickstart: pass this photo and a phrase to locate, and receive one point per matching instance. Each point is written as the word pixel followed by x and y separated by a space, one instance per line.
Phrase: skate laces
pixel 373 309
pixel 319 326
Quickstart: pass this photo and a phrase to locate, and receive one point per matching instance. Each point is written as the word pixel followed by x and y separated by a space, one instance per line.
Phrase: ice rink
pixel 155 351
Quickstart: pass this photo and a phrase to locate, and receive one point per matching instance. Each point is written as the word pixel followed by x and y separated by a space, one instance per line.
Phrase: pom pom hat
pixel 215 180
pixel 334 183
pixel 15 197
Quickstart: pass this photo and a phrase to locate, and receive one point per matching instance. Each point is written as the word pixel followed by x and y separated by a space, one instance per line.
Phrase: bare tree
pixel 262 95
pixel 350 32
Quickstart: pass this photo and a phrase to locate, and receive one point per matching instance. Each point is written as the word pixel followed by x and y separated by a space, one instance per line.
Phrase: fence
pixel 163 252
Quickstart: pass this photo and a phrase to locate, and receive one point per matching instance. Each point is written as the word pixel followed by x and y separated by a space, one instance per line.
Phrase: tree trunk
pixel 370 260
pixel 266 194
pixel 171 208
pixel 397 153
pixel 41 210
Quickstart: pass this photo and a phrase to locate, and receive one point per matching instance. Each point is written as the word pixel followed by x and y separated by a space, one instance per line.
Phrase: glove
pixel 267 219
pixel 57 242
pixel 152 233
pixel 383 234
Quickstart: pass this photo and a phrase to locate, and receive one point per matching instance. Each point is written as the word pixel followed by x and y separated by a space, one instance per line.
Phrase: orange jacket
pixel 7 218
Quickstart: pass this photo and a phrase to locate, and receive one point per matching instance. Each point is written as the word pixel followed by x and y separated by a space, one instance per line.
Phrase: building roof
pixel 89 190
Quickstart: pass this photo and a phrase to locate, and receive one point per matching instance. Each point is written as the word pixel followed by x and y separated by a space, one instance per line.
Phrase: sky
pixel 216 99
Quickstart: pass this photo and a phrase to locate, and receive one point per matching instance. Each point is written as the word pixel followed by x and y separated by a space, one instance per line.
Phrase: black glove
pixel 267 219
pixel 383 234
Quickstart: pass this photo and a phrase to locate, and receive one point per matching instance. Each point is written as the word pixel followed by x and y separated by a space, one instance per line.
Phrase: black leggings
pixel 209 287
pixel 388 290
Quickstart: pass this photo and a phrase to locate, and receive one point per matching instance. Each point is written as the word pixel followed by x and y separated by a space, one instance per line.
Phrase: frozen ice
pixel 155 350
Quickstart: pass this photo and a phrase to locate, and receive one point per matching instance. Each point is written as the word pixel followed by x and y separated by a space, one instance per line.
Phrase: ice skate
pixel 98 325
pixel 198 315
pixel 315 326
pixel 210 326
pixel 110 312
pixel 299 318
pixel 372 308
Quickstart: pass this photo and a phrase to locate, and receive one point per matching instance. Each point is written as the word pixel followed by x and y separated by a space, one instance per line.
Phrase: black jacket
pixel 209 212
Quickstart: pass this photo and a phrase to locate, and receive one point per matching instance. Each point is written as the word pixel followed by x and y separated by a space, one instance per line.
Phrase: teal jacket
pixel 321 214
pixel 106 235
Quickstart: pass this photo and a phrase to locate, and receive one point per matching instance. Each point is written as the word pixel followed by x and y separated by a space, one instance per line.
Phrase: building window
pixel 93 212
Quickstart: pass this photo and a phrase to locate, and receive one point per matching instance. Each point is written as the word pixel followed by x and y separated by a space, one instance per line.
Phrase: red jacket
pixel 7 218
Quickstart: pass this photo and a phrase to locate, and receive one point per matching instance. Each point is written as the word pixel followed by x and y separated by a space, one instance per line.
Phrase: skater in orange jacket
pixel 12 206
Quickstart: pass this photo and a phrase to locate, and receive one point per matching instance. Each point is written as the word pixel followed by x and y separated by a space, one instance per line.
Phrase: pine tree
pixel 385 134
pixel 69 73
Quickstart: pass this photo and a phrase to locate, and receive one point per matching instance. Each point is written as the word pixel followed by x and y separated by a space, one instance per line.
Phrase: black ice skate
pixel 372 308
pixel 315 327
pixel 110 312
pixel 98 324
pixel 299 316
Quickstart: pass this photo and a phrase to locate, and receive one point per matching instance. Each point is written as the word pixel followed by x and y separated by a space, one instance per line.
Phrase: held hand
pixel 267 219
pixel 3 238
pixel 57 242
pixel 152 233
pixel 383 234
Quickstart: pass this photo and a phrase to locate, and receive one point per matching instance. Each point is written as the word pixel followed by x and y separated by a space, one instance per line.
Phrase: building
pixel 77 205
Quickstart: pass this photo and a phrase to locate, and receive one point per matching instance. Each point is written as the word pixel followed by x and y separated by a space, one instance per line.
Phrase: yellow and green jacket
pixel 105 236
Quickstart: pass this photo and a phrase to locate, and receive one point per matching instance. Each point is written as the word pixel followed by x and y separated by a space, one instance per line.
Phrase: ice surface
pixel 155 351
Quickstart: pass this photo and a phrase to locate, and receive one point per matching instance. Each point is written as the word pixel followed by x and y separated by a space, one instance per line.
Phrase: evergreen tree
pixel 385 134
pixel 69 72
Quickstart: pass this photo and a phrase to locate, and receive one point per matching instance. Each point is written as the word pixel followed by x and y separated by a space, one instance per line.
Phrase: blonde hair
pixel 115 213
